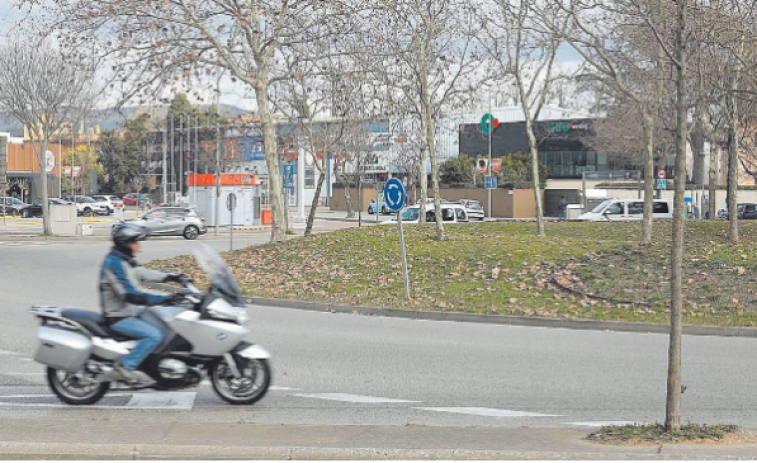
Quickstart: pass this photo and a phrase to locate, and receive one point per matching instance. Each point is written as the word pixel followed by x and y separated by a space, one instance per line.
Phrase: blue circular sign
pixel 394 194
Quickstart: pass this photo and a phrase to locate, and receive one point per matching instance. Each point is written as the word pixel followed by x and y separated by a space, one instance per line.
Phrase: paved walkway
pixel 73 440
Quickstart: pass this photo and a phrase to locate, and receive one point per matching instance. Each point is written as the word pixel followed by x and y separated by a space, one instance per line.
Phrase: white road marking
pixel 139 401
pixel 7 352
pixel 354 398
pixel 163 400
pixel 22 374
pixel 47 396
pixel 481 411
pixel 599 424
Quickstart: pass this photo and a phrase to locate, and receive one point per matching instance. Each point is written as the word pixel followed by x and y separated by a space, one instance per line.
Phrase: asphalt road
pixel 333 369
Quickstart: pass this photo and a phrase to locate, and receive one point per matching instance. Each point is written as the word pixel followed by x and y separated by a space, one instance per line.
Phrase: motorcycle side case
pixel 62 349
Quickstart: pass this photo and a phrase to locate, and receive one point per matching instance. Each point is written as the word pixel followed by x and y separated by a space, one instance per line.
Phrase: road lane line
pixel 482 411
pixel 354 398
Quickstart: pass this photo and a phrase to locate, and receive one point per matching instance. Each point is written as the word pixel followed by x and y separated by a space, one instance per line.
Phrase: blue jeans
pixel 150 338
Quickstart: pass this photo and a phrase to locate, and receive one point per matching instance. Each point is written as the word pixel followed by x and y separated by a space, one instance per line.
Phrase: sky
pixel 232 93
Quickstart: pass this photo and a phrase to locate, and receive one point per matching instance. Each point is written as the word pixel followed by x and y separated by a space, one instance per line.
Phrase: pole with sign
pixel 662 183
pixel 231 204
pixel 395 197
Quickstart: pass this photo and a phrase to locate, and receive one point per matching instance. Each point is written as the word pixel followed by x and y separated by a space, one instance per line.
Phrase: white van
pixel 627 209
pixel 451 213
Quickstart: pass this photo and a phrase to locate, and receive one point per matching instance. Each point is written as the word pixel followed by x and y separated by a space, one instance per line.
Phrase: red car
pixel 131 199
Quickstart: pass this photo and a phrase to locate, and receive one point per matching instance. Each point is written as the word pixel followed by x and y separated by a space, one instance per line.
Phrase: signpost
pixel 490 182
pixel 395 197
pixel 662 183
pixel 231 204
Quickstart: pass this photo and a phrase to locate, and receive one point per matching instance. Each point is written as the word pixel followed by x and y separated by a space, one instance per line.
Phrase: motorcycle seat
pixel 93 322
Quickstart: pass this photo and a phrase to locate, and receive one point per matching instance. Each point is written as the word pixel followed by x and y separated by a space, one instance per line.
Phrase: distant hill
pixel 111 118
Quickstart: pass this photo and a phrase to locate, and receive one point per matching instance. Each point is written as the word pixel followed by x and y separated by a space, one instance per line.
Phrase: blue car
pixel 373 208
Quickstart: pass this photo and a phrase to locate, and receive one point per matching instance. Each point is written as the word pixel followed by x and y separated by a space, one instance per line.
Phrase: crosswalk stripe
pixel 163 400
pixel 354 398
pixel 482 411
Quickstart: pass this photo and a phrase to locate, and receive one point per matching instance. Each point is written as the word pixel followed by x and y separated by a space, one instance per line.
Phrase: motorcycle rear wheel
pixel 251 387
pixel 72 390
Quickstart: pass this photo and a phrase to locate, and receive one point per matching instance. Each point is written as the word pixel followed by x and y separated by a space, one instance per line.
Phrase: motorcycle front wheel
pixel 249 388
pixel 74 388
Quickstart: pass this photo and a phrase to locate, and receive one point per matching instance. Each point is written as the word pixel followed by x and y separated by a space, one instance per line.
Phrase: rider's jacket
pixel 121 291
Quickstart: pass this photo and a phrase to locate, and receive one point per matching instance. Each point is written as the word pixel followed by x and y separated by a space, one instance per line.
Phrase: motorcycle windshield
pixel 220 273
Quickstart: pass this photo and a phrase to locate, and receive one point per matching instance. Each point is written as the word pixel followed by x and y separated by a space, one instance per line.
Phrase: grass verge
pixel 654 433
pixel 578 271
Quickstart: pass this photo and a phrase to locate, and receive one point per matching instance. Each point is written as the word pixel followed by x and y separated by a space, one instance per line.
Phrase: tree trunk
pixel 278 229
pixel 713 177
pixel 314 205
pixel 535 173
pixel 673 405
pixel 428 129
pixel 649 178
pixel 733 165
pixel 423 180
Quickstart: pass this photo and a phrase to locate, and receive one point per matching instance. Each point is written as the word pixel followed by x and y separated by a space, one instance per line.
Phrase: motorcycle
pixel 203 338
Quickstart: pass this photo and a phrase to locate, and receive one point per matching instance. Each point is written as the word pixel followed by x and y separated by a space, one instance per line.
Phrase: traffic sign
pixel 394 194
pixel 662 184
pixel 490 182
pixel 661 174
pixel 231 201
pixel 488 123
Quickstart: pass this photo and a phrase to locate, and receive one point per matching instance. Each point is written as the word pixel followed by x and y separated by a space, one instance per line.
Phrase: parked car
pixel 35 209
pixel 473 208
pixel 88 206
pixel 451 213
pixel 109 201
pixel 382 207
pixel 744 211
pixel 10 205
pixel 131 199
pixel 173 221
pixel 626 210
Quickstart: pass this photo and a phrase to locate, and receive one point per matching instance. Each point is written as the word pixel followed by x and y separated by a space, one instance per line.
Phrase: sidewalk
pixel 74 440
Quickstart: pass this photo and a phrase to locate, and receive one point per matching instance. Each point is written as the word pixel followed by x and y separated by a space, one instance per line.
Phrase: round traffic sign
pixel 661 174
pixel 49 161
pixel 394 194
pixel 488 123
pixel 231 201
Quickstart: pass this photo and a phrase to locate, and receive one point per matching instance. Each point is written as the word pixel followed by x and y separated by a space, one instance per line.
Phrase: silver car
pixel 173 221
pixel 474 209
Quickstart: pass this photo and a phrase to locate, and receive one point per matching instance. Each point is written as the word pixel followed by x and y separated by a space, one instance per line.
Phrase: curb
pixel 594 325
pixel 255 228
pixel 43 451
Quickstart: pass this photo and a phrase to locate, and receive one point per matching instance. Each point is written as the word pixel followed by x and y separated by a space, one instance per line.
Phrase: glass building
pixel 565 145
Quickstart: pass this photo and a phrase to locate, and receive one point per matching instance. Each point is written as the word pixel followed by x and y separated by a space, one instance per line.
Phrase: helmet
pixel 125 233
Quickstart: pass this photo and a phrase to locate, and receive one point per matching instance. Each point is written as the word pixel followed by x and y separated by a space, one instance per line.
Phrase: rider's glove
pixel 174 299
pixel 177 277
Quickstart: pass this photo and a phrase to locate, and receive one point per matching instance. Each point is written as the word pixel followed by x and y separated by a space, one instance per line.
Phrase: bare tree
pixel 524 49
pixel 159 46
pixel 425 55
pixel 45 90
pixel 623 57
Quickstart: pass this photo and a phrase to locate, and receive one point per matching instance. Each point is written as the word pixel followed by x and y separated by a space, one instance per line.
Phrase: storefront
pixel 565 146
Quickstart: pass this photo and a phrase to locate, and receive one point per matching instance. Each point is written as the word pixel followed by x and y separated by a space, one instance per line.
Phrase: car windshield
pixel 410 214
pixel 13 200
pixel 601 206
pixel 219 273
pixel 87 199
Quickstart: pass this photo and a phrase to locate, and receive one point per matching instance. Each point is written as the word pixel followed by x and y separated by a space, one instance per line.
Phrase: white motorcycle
pixel 203 336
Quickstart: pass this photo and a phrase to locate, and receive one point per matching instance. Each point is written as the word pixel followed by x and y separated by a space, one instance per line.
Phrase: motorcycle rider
pixel 122 297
